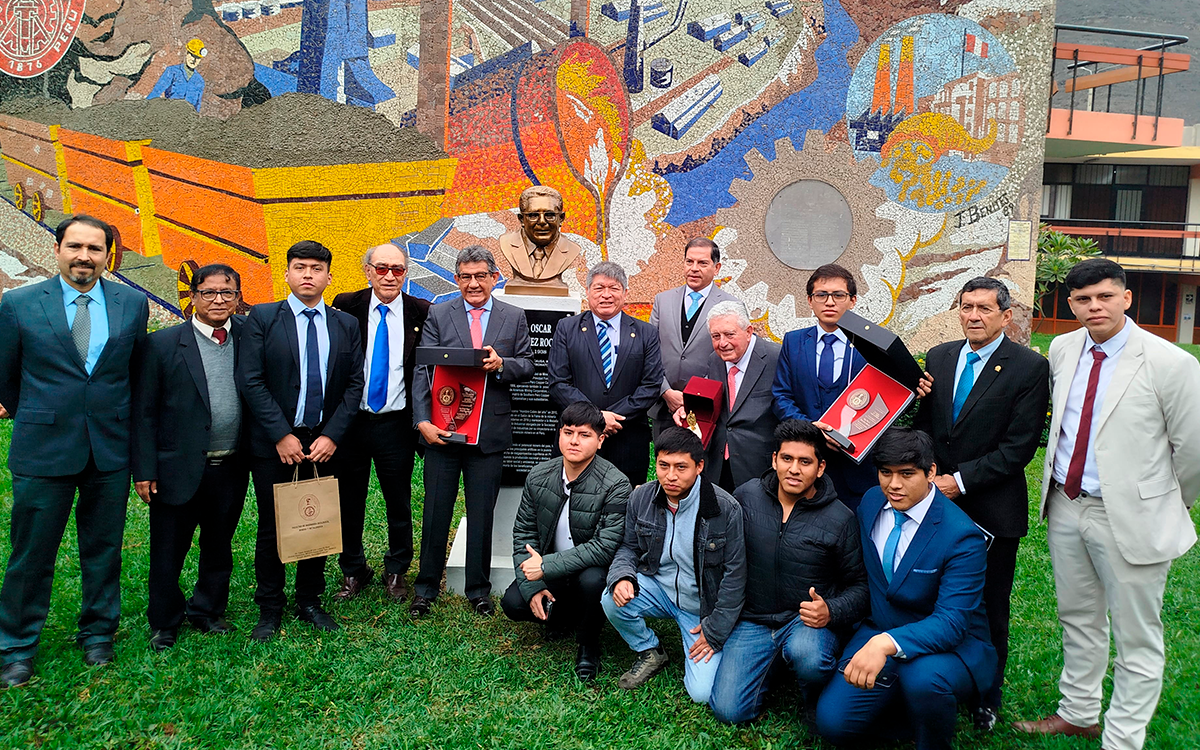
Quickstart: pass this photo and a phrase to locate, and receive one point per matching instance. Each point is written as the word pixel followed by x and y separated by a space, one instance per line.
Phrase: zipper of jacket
pixel 671 554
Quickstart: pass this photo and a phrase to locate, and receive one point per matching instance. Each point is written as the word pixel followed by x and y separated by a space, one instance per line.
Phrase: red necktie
pixel 1074 481
pixel 476 327
pixel 733 371
pixel 219 334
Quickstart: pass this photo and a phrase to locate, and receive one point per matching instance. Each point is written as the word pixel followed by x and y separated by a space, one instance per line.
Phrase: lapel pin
pixel 632 335
pixel 584 329
pixel 997 368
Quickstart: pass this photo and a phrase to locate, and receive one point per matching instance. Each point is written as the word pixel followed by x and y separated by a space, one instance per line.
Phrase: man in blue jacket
pixel 925 648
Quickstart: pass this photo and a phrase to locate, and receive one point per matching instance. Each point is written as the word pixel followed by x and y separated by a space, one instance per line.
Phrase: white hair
pixel 730 307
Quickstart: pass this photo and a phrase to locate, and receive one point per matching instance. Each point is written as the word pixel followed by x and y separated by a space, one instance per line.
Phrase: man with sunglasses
pixel 390 322
pixel 189 455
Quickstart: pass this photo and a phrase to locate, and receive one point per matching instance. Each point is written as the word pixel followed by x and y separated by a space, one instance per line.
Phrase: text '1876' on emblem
pixel 35 34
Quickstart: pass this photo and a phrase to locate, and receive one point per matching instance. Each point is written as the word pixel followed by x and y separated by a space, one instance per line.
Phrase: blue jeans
pixel 652 601
pixel 741 684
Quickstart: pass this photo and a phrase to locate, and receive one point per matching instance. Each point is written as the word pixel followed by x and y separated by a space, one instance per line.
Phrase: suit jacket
pixel 416 310
pixel 171 411
pixel 508 333
pixel 1147 442
pixel 748 425
pixel 63 415
pixel 576 372
pixel 269 375
pixel 681 362
pixel 997 432
pixel 934 604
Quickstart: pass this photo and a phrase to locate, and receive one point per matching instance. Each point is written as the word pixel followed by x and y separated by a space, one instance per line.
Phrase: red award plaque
pixel 702 403
pixel 458 402
pixel 867 407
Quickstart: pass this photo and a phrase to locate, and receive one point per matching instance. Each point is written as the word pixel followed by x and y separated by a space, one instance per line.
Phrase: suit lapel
pixel 866 523
pixel 189 349
pixel 412 331
pixel 335 344
pixel 1062 385
pixel 1127 367
pixel 587 328
pixel 626 342
pixel 919 542
pixel 458 318
pixel 943 372
pixel 674 315
pixel 495 323
pixel 114 296
pixel 53 305
pixel 808 350
pixel 292 334
pixel 989 375
pixel 755 370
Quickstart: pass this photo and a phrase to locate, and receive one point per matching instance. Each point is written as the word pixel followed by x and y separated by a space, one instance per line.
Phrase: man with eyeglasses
pixel 478 320
pixel 390 322
pixel 538 253
pixel 815 366
pixel 189 459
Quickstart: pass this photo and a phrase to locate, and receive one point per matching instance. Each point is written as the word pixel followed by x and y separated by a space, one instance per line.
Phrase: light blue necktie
pixel 965 381
pixel 606 354
pixel 380 364
pixel 889 547
pixel 696 298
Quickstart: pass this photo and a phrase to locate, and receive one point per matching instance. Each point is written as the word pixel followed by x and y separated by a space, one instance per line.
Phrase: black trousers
pixel 576 604
pixel 629 451
pixel 997 591
pixel 216 508
pixel 40 509
pixel 269 572
pixel 480 473
pixel 391 442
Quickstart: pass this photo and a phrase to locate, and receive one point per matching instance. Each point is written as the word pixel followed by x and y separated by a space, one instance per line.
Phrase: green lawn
pixel 453 680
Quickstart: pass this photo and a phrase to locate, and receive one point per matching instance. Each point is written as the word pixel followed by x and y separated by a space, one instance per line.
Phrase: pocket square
pixel 925 570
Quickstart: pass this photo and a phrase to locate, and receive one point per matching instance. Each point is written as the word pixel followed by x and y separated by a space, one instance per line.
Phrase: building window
pixel 1012 133
pixel 1002 109
pixel 991 110
pixel 1016 87
pixel 1014 110
pixel 992 89
pixel 1000 133
pixel 1004 89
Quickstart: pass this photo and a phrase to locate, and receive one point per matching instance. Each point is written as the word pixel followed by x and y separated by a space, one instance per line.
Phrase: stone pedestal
pixel 535 429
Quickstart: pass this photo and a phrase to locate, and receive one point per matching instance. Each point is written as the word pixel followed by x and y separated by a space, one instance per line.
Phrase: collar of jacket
pixel 709 506
pixel 587 471
pixel 825 494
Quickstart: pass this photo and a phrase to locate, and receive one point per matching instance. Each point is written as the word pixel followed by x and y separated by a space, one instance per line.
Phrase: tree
pixel 1057 254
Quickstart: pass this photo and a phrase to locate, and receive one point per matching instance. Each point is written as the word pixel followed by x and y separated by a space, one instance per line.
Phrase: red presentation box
pixel 867 407
pixel 705 399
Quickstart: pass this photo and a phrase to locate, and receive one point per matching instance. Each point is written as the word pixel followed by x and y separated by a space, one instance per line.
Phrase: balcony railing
pixel 1160 245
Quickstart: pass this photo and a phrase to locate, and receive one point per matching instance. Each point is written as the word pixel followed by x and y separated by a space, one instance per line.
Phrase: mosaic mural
pixel 228 131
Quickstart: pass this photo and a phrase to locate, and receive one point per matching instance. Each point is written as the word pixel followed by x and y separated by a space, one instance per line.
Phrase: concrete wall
pixel 359 121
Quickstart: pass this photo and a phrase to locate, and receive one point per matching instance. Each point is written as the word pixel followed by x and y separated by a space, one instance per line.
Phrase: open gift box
pixel 457 388
pixel 705 399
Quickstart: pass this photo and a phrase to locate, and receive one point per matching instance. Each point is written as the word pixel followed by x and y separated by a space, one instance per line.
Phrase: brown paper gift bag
pixel 308 517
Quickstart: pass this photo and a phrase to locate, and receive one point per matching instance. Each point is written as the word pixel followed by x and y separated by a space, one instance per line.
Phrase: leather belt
pixel 1057 485
pixel 216 458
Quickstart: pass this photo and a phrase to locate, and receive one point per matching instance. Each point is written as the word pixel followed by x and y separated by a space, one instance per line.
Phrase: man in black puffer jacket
pixel 569 525
pixel 807 585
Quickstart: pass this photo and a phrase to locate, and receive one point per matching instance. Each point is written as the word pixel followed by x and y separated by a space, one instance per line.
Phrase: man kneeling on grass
pixel 569 525
pixel 683 557
pixel 806 585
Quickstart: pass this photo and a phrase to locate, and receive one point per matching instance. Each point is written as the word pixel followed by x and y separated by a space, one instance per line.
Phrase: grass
pixel 454 681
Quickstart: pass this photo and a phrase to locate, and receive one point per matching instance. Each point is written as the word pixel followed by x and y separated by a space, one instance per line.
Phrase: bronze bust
pixel 538 253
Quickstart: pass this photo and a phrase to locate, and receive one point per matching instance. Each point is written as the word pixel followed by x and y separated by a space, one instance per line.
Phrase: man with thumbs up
pixel 806 585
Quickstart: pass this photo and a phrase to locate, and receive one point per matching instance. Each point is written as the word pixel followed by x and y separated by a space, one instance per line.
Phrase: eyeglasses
pixel 549 216
pixel 469 277
pixel 383 270
pixel 208 295
pixel 824 296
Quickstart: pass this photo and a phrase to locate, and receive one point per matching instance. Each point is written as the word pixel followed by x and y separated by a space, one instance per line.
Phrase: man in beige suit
pixel 1122 469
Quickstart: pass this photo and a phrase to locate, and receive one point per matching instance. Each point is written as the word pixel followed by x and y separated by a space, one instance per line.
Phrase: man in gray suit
pixel 65 351
pixel 676 313
pixel 741 446
pixel 474 320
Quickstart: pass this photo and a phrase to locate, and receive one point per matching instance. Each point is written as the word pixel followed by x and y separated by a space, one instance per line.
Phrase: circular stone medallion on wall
pixel 808 224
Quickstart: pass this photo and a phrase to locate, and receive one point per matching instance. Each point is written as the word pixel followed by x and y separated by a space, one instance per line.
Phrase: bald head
pixel 385 267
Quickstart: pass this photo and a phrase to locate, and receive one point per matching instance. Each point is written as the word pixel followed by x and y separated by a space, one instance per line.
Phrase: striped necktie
pixel 606 353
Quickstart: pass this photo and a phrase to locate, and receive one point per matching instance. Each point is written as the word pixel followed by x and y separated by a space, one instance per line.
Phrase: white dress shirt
pixel 397 399
pixel 322 324
pixel 839 350
pixel 741 364
pixel 614 335
pixel 884 523
pixel 985 353
pixel 1073 409
pixel 562 529
pixel 207 331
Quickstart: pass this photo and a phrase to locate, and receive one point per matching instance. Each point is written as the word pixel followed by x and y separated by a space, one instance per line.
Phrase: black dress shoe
pixel 419 606
pixel 161 640
pixel 317 617
pixel 98 654
pixel 397 589
pixel 483 606
pixel 16 674
pixel 587 662
pixel 352 586
pixel 217 625
pixel 267 627
pixel 984 717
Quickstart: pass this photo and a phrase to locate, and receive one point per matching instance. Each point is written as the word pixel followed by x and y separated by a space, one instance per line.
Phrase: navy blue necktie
pixel 314 390
pixel 825 367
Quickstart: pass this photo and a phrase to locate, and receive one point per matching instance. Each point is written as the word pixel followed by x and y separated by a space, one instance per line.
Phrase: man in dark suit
pixel 986 413
pixel 390 322
pixel 189 457
pixel 301 375
pixel 924 648
pixel 611 360
pixel 815 366
pixel 66 346
pixel 475 320
pixel 679 316
pixel 746 364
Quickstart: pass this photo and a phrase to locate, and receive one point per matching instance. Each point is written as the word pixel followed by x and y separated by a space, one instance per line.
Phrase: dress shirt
pixel 397 399
pixel 562 529
pixel 884 523
pixel 687 294
pixel 741 364
pixel 207 331
pixel 839 349
pixel 97 311
pixel 322 325
pixel 984 353
pixel 1073 409
pixel 483 319
pixel 614 335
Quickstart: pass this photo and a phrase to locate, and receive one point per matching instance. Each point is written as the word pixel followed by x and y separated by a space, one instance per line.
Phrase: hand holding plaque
pixel 458 385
